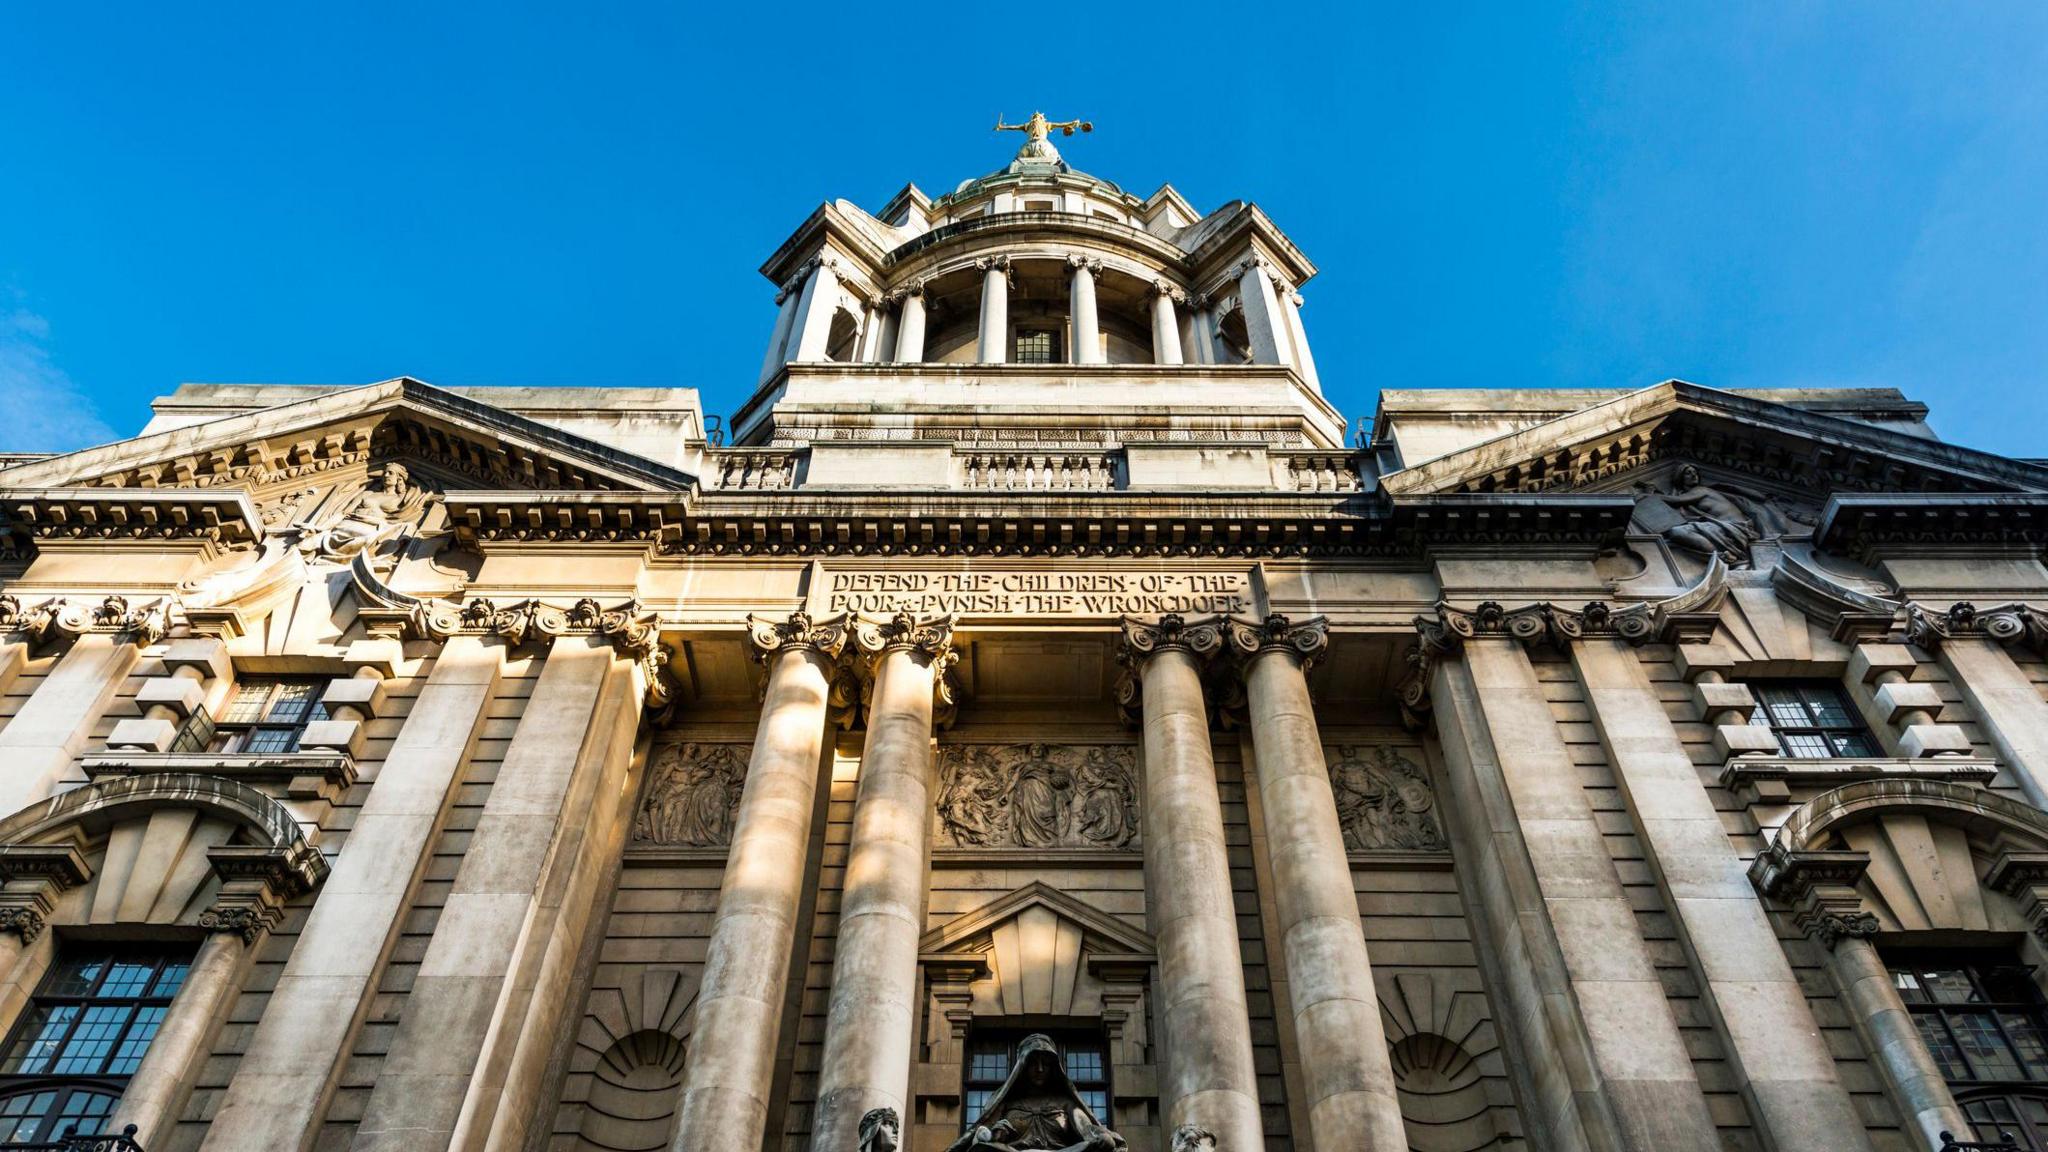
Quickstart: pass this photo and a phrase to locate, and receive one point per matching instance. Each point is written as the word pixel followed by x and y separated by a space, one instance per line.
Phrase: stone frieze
pixel 1037 796
pixel 693 797
pixel 1384 801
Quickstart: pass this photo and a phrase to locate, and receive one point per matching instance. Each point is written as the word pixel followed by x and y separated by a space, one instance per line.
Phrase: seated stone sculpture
pixel 1037 1109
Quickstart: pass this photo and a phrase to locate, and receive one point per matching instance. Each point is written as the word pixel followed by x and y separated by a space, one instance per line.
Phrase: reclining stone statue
pixel 1037 1109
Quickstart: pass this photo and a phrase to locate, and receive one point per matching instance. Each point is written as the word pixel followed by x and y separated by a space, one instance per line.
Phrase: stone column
pixel 1348 1077
pixel 1889 1034
pixel 785 319
pixel 1165 323
pixel 872 324
pixel 1820 887
pixel 1304 361
pixel 1087 327
pixel 1971 647
pixel 1774 1044
pixel 1209 1080
pixel 300 1044
pixel 1264 327
pixel 993 344
pixel 910 326
pixel 497 919
pixel 820 302
pixel 1607 1067
pixel 870 1019
pixel 256 881
pixel 39 746
pixel 725 1090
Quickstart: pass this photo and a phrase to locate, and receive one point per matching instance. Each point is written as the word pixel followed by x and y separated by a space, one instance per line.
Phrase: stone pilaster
pixel 724 1102
pixel 1209 1080
pixel 871 1016
pixel 1346 1072
pixel 299 1046
pixel 1775 1045
pixel 1603 1061
pixel 1971 645
pixel 40 744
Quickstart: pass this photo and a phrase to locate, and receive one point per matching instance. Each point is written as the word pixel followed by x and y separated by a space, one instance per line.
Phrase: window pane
pixel 271 740
pixel 1978 1036
pixel 39 1039
pixel 1806 745
pixel 1941 1047
pixel 84 1114
pixel 1034 347
pixel 75 976
pixel 988 1066
pixel 127 979
pixel 129 1056
pixel 1096 1100
pixel 1908 985
pixel 1084 1064
pixel 1828 708
pixel 21 1115
pixel 246 707
pixel 1949 985
pixel 977 1100
pixel 2025 1033
pixel 1854 744
pixel 2006 984
pixel 86 1052
pixel 293 702
pixel 170 980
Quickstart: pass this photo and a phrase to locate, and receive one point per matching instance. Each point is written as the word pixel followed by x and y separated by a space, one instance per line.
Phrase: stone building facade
pixel 1035 653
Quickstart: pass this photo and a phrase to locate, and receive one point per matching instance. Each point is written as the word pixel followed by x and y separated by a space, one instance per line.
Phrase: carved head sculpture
pixel 880 1130
pixel 1190 1138
pixel 393 479
pixel 1688 476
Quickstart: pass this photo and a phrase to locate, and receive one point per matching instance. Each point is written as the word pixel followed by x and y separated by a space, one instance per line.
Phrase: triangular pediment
pixel 1634 438
pixel 974 932
pixel 450 441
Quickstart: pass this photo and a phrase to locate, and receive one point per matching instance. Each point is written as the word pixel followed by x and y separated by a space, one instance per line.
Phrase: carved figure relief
pixel 1707 520
pixel 1384 801
pixel 693 796
pixel 1037 796
pixel 388 507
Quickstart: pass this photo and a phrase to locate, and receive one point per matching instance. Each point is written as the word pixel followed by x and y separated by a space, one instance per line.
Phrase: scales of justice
pixel 1036 129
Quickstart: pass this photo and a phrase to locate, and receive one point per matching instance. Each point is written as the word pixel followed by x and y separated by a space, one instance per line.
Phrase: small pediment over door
pixel 1044 952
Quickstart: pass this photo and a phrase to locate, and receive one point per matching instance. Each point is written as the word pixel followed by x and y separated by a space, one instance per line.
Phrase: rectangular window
pixel 268 714
pixel 1084 1054
pixel 1812 719
pixel 1036 346
pixel 81 1037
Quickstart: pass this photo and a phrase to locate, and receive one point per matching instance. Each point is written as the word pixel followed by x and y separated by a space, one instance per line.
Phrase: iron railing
pixel 2004 1143
pixel 105 1142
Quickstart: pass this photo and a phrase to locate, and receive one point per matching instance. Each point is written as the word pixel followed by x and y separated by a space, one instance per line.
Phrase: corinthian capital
pixel 1083 260
pixel 905 631
pixel 767 635
pixel 1276 633
pixel 987 262
pixel 1200 637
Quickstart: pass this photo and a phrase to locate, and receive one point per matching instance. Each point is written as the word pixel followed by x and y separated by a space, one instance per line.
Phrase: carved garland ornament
pixel 693 795
pixel 58 617
pixel 1038 796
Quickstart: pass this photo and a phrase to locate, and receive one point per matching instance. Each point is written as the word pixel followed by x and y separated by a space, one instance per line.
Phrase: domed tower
pixel 1039 305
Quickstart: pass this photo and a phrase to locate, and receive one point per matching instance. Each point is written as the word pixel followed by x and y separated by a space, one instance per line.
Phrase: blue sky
pixel 1532 195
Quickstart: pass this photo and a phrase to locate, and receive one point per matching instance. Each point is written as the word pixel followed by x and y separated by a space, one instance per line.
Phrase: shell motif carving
pixel 693 798
pixel 1384 801
pixel 1038 796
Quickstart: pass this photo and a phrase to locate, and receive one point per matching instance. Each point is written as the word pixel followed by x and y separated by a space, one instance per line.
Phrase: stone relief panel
pixel 1384 801
pixel 1705 520
pixel 693 795
pixel 1037 796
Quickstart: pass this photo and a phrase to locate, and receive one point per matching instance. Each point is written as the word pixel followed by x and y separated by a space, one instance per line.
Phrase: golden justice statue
pixel 1036 129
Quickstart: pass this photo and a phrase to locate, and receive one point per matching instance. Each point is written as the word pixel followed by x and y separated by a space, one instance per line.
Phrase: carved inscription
pixel 1041 593
pixel 1384 801
pixel 1037 796
pixel 693 798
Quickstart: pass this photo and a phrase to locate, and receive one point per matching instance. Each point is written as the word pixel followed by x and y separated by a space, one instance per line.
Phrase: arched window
pixel 82 1037
pixel 1983 1021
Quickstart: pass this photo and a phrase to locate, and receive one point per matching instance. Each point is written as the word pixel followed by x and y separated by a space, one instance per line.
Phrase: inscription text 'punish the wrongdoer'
pixel 1041 593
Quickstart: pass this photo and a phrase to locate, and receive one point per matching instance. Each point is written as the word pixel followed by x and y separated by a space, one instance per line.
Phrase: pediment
pixel 1037 951
pixel 448 441
pixel 1036 901
pixel 1643 437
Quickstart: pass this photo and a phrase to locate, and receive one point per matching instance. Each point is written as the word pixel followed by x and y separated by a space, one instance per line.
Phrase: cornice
pixel 1862 524
pixel 114 514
